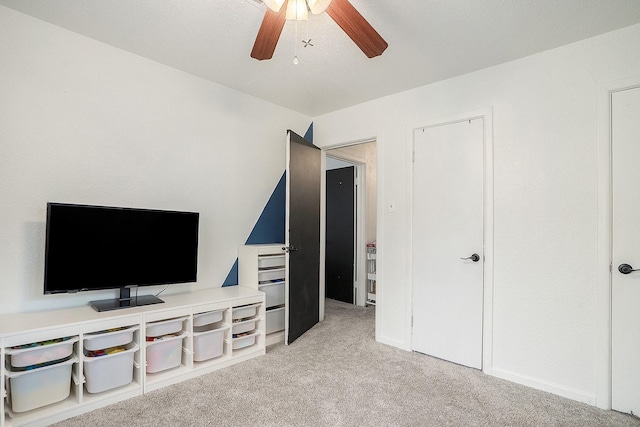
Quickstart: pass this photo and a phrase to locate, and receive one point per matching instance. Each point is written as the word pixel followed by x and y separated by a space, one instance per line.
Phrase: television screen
pixel 100 247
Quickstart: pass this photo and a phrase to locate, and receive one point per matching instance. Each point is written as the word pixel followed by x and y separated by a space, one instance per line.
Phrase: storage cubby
pixel 59 364
pixel 40 374
pixel 262 267
pixel 246 327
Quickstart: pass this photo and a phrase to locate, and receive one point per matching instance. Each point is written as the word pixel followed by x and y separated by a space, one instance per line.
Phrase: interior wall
pixel 545 202
pixel 84 122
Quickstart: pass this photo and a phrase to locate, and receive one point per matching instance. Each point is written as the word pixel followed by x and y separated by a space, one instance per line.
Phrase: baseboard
pixel 567 392
pixel 394 343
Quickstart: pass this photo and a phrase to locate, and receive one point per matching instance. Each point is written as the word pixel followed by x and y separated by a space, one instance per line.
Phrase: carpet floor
pixel 338 375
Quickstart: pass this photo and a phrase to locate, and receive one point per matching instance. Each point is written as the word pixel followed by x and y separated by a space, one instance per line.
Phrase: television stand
pixel 125 301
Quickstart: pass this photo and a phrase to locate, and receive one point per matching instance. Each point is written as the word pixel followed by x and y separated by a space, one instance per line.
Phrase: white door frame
pixel 360 254
pixel 603 266
pixel 486 115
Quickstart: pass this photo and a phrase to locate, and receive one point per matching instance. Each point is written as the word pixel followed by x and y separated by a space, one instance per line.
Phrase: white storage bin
pixel 165 353
pixel 165 327
pixel 40 387
pixel 275 320
pixel 208 344
pixel 109 371
pixel 274 293
pixel 203 319
pixel 245 326
pixel 244 311
pixel 21 357
pixel 106 339
pixel 267 261
pixel 244 342
pixel 270 274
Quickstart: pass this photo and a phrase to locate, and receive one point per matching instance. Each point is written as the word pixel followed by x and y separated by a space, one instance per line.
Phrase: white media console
pixel 197 332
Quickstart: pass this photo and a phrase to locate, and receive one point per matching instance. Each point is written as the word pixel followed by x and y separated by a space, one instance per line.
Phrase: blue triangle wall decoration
pixel 270 226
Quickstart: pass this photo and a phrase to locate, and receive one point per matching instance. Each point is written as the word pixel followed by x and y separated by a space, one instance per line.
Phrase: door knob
pixel 289 248
pixel 474 257
pixel 626 269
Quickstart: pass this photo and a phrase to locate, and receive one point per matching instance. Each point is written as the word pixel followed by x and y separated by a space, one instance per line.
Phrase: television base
pixel 118 303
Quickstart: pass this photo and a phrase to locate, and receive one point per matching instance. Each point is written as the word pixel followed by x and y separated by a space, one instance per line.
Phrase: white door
pixel 447 221
pixel 625 288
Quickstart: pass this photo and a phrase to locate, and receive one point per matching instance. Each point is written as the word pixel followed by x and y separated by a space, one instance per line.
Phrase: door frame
pixel 359 282
pixel 486 114
pixel 603 263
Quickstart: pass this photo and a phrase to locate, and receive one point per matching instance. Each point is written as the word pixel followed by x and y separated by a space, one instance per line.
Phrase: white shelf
pixel 26 328
pixel 262 267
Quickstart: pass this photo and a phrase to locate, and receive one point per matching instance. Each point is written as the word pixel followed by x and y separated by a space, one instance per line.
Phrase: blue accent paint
pixel 268 229
pixel 270 226
pixel 309 135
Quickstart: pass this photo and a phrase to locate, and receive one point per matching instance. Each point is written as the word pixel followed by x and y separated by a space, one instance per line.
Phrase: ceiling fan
pixel 341 11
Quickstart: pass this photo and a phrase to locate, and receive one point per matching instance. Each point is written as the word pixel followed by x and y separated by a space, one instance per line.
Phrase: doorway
pixel 361 156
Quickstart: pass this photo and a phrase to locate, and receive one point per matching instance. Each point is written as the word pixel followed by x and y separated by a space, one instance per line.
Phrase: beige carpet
pixel 337 375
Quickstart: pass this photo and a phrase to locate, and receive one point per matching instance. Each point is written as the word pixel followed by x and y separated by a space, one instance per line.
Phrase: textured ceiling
pixel 429 40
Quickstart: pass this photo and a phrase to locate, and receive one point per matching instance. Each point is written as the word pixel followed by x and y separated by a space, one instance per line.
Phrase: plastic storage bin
pixel 106 339
pixel 165 353
pixel 103 373
pixel 270 274
pixel 267 261
pixel 40 352
pixel 244 311
pixel 208 344
pixel 164 327
pixel 245 326
pixel 244 342
pixel 40 387
pixel 203 319
pixel 275 320
pixel 274 293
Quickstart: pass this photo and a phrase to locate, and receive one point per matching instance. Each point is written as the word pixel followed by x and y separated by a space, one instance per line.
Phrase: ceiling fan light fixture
pixel 297 10
pixel 318 6
pixel 274 5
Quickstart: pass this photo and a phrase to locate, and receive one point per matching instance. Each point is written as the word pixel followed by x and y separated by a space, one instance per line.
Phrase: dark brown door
pixel 302 236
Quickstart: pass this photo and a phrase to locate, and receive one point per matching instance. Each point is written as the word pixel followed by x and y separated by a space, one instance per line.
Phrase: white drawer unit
pixel 62 363
pixel 262 267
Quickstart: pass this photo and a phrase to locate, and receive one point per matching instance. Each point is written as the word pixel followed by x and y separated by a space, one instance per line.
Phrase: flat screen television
pixel 101 247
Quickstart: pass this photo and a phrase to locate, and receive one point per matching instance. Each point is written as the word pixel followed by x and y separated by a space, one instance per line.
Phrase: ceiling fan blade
pixel 268 34
pixel 357 28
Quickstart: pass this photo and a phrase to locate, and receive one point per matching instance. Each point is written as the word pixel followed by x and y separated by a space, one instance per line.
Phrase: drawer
pixel 244 311
pixel 165 327
pixel 208 318
pixel 108 338
pixel 274 293
pixel 270 261
pixel 270 274
pixel 275 320
pixel 41 352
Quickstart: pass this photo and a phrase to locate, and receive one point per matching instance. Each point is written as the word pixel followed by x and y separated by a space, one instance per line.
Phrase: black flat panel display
pixel 99 247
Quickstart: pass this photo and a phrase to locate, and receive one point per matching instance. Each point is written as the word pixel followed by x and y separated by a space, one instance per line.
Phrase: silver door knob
pixel 474 258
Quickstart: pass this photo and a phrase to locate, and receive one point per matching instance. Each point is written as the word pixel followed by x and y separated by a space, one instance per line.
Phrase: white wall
pixel 83 122
pixel 545 202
